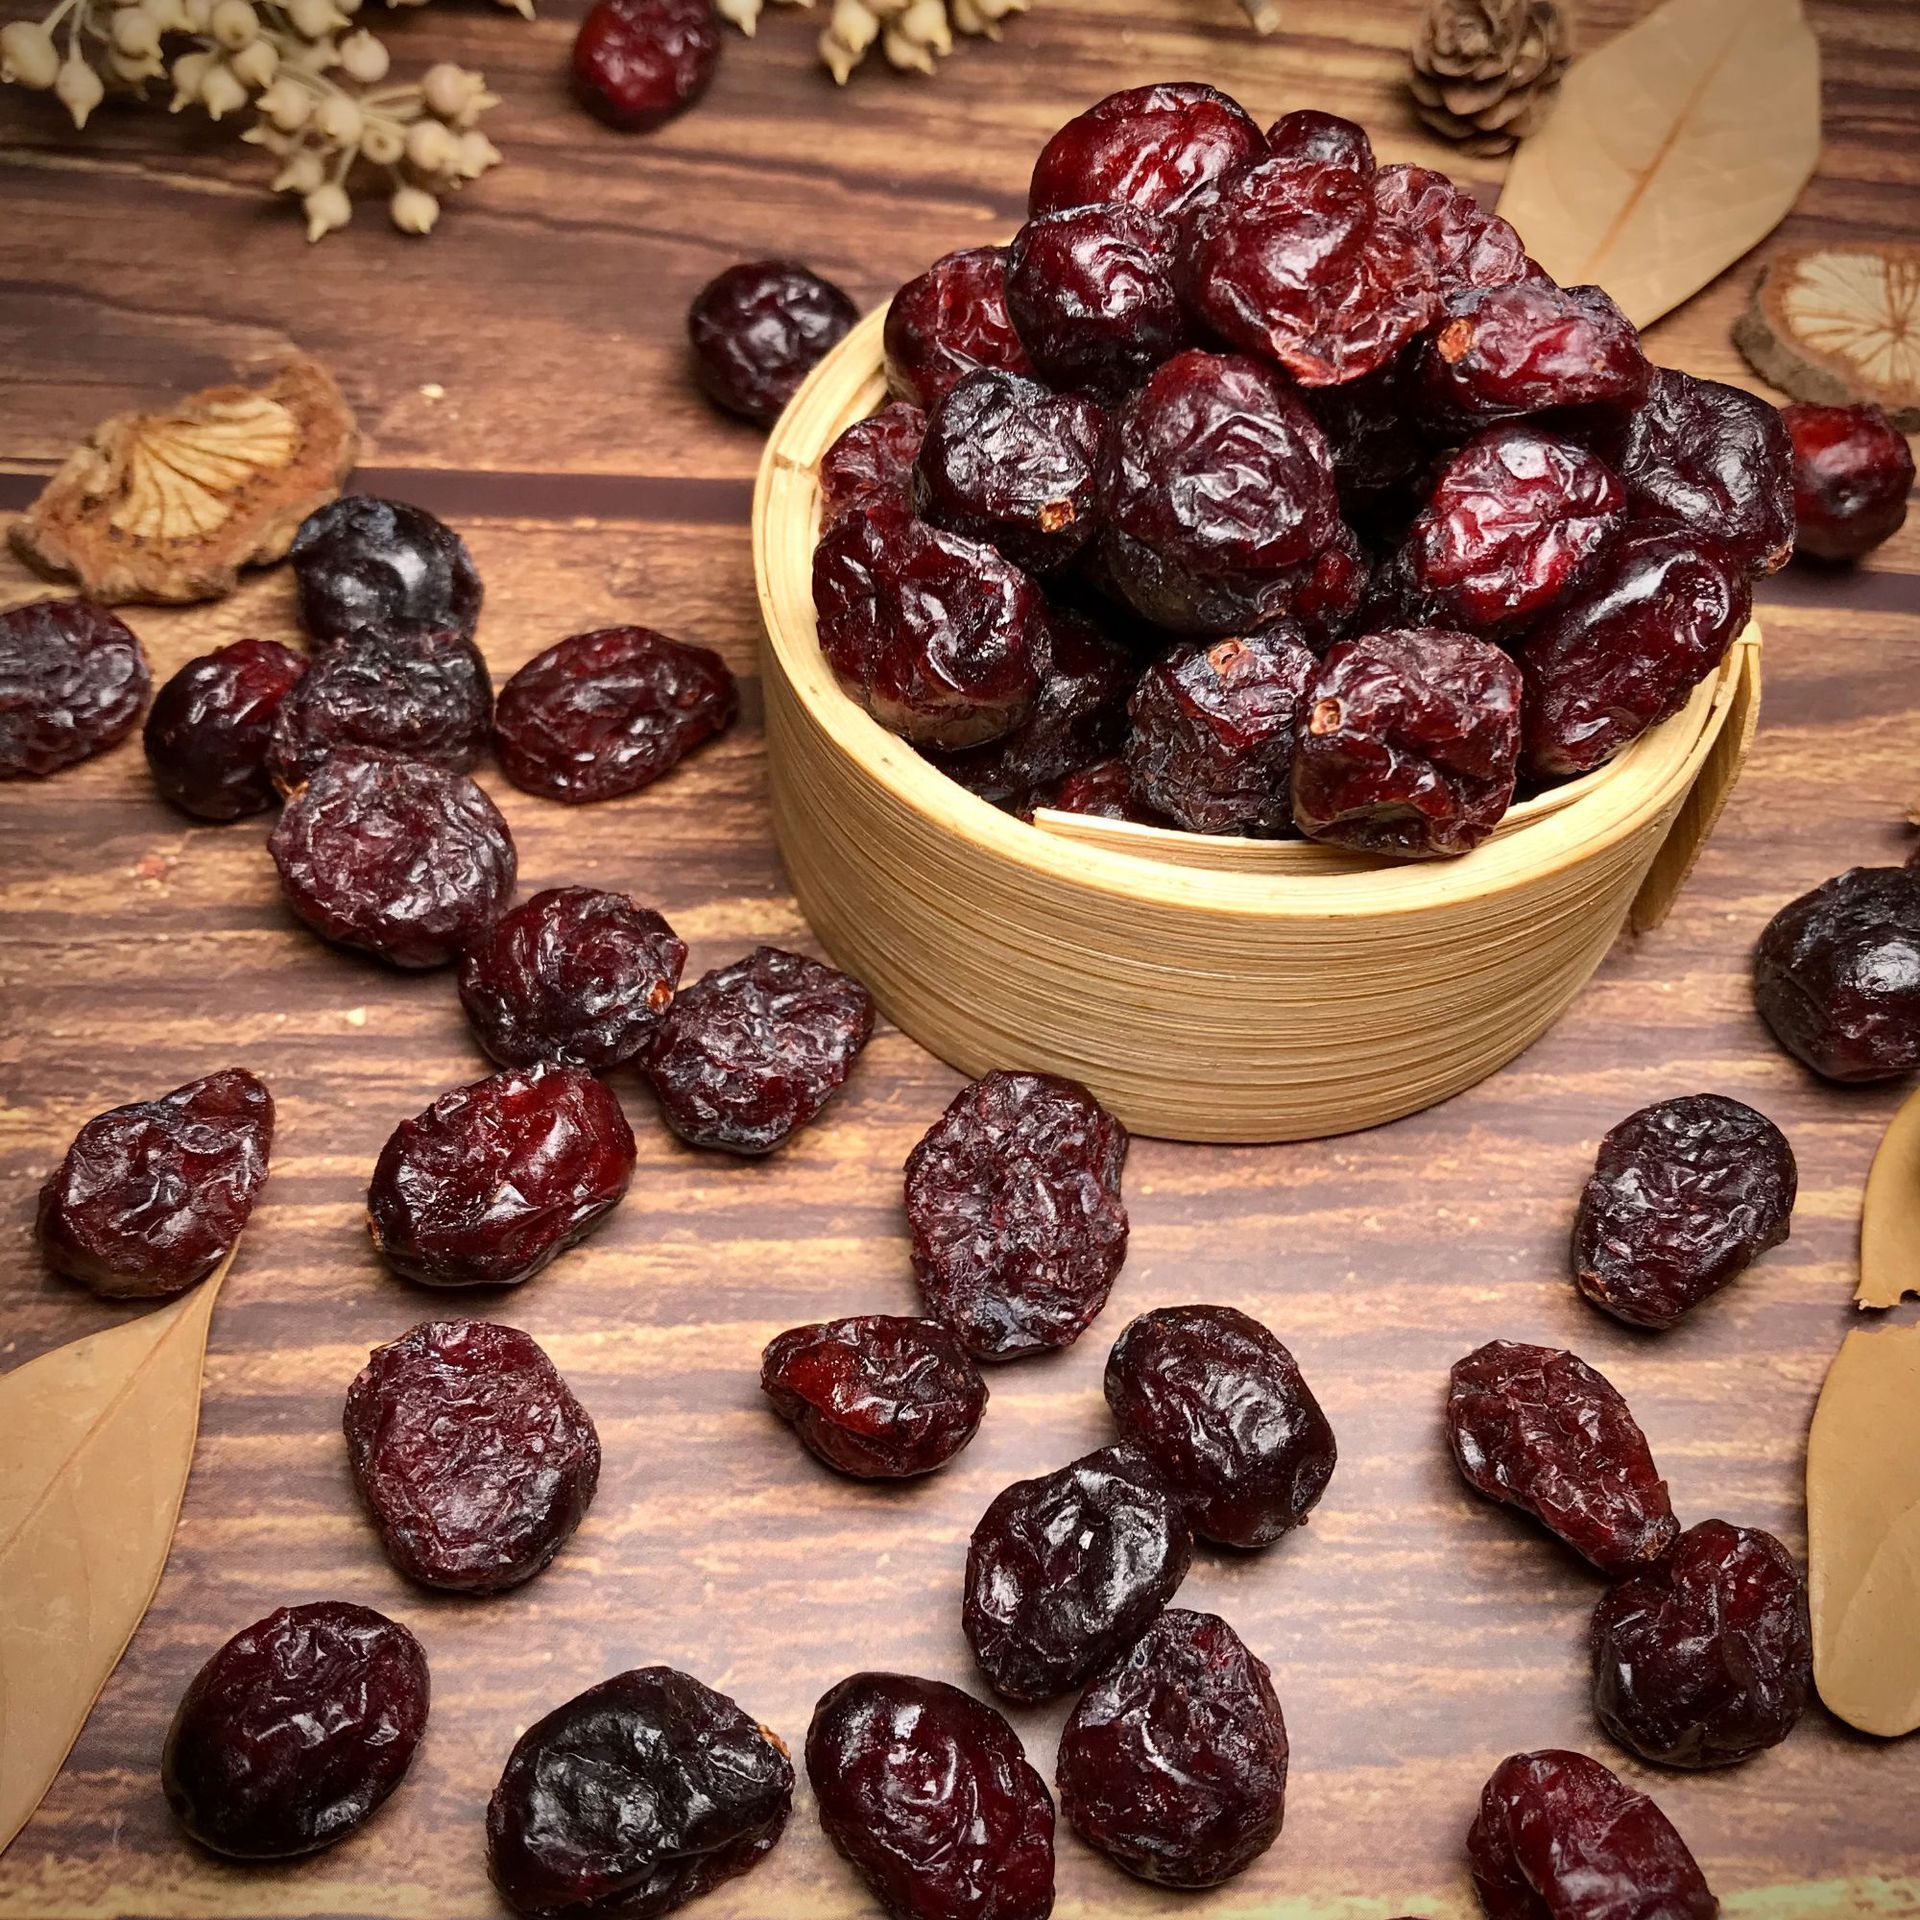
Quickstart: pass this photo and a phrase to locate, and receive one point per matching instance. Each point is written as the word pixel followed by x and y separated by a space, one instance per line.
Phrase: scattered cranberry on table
pixel 1852 473
pixel 639 63
pixel 361 561
pixel 210 726
pixel 73 679
pixel 758 329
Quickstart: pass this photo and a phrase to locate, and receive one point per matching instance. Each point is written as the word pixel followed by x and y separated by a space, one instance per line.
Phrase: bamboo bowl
pixel 1206 989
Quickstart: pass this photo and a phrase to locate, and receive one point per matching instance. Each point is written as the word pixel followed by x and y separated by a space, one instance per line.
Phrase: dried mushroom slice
pixel 169 506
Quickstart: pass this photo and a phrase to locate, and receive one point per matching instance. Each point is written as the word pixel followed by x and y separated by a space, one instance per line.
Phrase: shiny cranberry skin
pixel 639 63
pixel 1330 589
pixel 1103 790
pixel 1559 1837
pixel 1522 348
pixel 1472 248
pixel 361 561
pixel 876 1396
pixel 1307 135
pixel 149 1197
pixel 1852 472
pixel 758 329
pixel 929 1795
pixel 207 731
pixel 1379 450
pixel 73 679
pixel 494 1179
pixel 472 1454
pixel 296 1731
pixel 872 461
pixel 1151 147
pixel 950 320
pixel 1174 1764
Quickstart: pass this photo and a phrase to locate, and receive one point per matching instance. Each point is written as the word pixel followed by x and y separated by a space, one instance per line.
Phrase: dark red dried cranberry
pixel 872 461
pixel 1308 135
pixel 1544 1432
pixel 1151 147
pixel 1684 1195
pixel 493 1180
pixel 639 63
pixel 927 1792
pixel 1558 1837
pixel 1472 248
pixel 1507 350
pixel 1013 1201
pixel 360 561
pixel 473 1456
pixel 1330 589
pixel 750 1053
pixel 877 1396
pixel 1174 1764
pixel 72 682
pixel 149 1197
pixel 758 329
pixel 1624 650
pixel 634 1798
pixel 208 729
pixel 1837 975
pixel 1103 790
pixel 609 712
pixel 1222 1410
pixel 1379 450
pixel 1852 472
pixel 296 1730
pixel 405 860
pixel 949 321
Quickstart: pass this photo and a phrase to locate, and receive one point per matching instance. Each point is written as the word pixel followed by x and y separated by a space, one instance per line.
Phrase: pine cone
pixel 1485 72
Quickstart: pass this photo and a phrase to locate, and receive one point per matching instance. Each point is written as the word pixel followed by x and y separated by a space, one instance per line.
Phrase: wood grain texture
pixel 1416 1635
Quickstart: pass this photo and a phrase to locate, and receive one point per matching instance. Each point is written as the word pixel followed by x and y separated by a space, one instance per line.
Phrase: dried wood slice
pixel 169 506
pixel 1839 324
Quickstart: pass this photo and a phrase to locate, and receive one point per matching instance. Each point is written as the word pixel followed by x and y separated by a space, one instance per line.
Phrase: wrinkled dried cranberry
pixel 1379 451
pixel 1312 136
pixel 296 1730
pixel 73 679
pixel 1065 1572
pixel 1624 650
pixel 1852 472
pixel 928 1793
pixel 1174 1764
pixel 473 1456
pixel 872 461
pixel 950 320
pixel 609 712
pixel 1472 248
pixel 1220 1407
pixel 877 1396
pixel 1559 1837
pixel 1103 790
pixel 1837 975
pixel 361 561
pixel 150 1196
pixel 405 860
pixel 1684 1195
pixel 639 63
pixel 207 731
pixel 1213 731
pixel 758 329
pixel 1151 147
pixel 493 1180
pixel 1507 350
pixel 1013 1201
pixel 633 1798
pixel 1544 1432
pixel 1330 589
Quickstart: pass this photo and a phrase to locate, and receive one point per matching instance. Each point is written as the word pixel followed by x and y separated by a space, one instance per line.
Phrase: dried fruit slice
pixel 169 506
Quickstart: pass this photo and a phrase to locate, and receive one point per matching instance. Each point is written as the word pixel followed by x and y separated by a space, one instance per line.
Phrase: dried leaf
pixel 1890 1215
pixel 1675 147
pixel 98 1443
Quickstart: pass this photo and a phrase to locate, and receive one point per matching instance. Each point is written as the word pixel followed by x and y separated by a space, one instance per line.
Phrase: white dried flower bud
pixel 448 89
pixel 384 142
pixel 233 23
pixel 339 120
pixel 327 208
pixel 134 33
pixel 745 14
pixel 28 55
pixel 304 173
pixel 364 58
pixel 198 13
pixel 78 88
pixel 221 91
pixel 477 154
pixel 288 105
pixel 187 72
pixel 314 19
pixel 431 147
pixel 132 69
pixel 168 15
pixel 257 63
pixel 414 209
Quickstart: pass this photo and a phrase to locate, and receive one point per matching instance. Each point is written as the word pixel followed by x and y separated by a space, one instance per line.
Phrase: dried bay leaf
pixel 1890 1214
pixel 1675 147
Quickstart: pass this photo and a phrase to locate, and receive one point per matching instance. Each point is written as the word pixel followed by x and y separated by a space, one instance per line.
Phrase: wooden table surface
pixel 521 373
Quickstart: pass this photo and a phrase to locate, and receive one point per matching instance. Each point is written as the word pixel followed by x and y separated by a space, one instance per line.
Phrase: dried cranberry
pixel 1013 1202
pixel 758 329
pixel 639 63
pixel 1330 589
pixel 1507 350
pixel 949 321
pixel 1559 1837
pixel 493 1180
pixel 1103 790
pixel 877 1396
pixel 1624 650
pixel 927 1792
pixel 473 1456
pixel 1064 1573
pixel 406 860
pixel 149 1197
pixel 1837 975
pixel 1174 1764
pixel 360 561
pixel 1220 1407
pixel 573 975
pixel 1307 135
pixel 609 712
pixel 633 1798
pixel 1544 1432
pixel 872 461
pixel 1473 249
pixel 208 729
pixel 73 679
pixel 1379 451
pixel 1852 472
pixel 1684 1195
pixel 1151 147
pixel 296 1730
